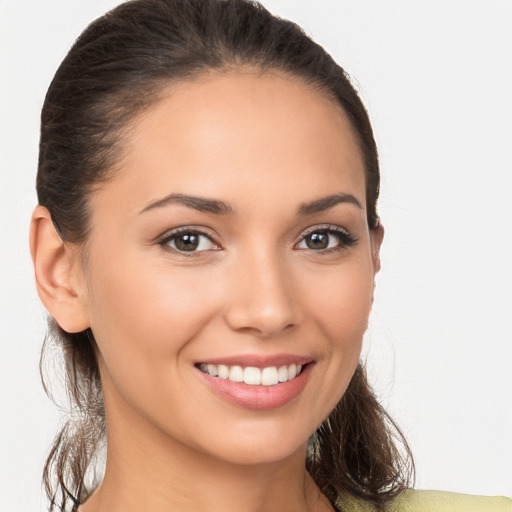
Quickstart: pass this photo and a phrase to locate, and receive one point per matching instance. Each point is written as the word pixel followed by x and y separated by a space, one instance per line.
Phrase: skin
pixel 264 144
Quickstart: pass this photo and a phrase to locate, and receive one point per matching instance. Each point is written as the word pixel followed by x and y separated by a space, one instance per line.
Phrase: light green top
pixel 435 501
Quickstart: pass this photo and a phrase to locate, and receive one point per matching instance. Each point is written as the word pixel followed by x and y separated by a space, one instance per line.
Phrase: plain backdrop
pixel 436 76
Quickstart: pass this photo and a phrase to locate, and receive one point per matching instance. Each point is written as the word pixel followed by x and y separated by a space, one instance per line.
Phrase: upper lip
pixel 259 360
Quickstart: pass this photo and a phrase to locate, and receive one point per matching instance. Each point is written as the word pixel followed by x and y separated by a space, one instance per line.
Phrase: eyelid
pixel 324 227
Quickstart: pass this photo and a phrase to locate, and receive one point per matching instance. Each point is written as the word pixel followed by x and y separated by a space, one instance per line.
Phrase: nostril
pixel 263 322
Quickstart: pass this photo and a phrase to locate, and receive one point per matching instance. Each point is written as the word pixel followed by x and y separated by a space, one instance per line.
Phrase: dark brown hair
pixel 120 66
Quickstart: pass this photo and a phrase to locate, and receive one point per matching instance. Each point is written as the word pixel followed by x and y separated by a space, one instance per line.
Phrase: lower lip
pixel 259 397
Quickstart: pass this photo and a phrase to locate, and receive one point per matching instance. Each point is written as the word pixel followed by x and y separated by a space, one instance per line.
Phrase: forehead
pixel 246 130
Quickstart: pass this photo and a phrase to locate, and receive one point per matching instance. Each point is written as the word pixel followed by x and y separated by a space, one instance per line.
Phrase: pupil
pixel 187 242
pixel 317 241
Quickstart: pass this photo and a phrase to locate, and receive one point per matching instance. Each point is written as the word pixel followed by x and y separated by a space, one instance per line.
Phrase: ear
pixel 376 237
pixel 59 278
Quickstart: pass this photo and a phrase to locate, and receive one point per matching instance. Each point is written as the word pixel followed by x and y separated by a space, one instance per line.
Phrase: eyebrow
pixel 325 203
pixel 217 207
pixel 201 204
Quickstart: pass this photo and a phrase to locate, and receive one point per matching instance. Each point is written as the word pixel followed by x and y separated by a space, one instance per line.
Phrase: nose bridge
pixel 262 298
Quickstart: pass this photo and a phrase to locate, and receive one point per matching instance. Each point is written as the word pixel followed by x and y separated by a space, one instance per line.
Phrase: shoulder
pixel 439 501
pixel 435 501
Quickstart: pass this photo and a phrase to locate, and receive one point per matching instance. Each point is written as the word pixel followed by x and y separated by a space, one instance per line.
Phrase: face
pixel 229 253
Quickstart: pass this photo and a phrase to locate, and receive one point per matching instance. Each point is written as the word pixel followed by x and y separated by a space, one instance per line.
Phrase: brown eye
pixel 189 241
pixel 324 240
pixel 317 240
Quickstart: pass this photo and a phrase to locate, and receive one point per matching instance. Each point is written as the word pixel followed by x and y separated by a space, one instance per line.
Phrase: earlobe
pixel 58 278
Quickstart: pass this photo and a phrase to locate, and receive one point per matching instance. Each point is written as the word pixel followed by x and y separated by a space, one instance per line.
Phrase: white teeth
pixel 236 374
pixel 269 376
pixel 251 375
pixel 223 371
pixel 283 374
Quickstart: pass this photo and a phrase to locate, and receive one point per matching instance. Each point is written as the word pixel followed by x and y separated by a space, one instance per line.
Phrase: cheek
pixel 342 302
pixel 144 319
pixel 143 316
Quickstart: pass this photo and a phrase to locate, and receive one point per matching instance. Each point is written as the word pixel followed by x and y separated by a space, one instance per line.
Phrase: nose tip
pixel 262 303
pixel 263 323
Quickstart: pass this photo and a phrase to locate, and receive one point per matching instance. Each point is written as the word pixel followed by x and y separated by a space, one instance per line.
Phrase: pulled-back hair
pixel 121 65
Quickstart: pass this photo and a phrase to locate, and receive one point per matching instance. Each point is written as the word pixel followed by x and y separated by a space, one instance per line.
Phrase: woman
pixel 206 243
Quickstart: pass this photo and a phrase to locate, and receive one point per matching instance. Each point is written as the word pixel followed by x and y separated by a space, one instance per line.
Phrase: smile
pixel 253 376
pixel 257 381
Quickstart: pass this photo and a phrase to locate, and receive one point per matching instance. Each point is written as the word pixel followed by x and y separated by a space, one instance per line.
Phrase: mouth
pixel 257 381
pixel 252 375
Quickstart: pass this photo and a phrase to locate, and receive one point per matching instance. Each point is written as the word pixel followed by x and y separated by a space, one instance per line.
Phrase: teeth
pixel 223 371
pixel 283 374
pixel 269 376
pixel 251 375
pixel 236 374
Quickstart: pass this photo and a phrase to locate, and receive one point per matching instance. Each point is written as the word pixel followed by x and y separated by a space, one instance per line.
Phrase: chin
pixel 261 444
pixel 262 453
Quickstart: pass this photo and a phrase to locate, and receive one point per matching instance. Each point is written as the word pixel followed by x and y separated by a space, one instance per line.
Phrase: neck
pixel 146 470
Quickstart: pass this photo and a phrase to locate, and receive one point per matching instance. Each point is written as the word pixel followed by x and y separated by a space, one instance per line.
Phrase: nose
pixel 262 299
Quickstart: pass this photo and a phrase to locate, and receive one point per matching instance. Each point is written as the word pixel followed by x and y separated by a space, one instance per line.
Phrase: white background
pixel 436 76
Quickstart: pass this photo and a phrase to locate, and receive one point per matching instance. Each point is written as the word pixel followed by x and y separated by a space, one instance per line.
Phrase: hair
pixel 120 66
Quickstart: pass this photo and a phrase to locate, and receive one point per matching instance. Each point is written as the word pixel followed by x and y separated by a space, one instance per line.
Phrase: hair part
pixel 120 66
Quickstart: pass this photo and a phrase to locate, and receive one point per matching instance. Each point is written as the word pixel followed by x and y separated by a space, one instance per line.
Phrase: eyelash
pixel 345 239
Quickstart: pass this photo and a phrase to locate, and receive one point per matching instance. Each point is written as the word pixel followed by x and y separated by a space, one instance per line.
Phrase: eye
pixel 326 239
pixel 187 240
